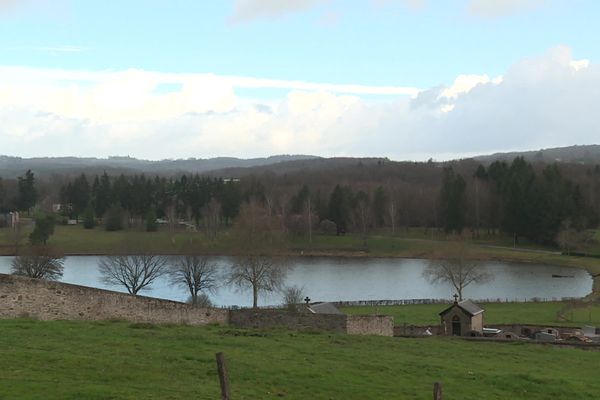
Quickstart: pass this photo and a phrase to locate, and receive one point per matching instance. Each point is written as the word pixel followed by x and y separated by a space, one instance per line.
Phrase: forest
pixel 533 200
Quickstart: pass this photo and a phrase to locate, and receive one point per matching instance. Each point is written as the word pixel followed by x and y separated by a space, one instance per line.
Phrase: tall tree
pixel 27 193
pixel 257 273
pixel 456 268
pixel 363 213
pixel 101 192
pixel 196 273
pixel 519 199
pixel 134 272
pixel 453 201
pixel 339 208
pixel 379 206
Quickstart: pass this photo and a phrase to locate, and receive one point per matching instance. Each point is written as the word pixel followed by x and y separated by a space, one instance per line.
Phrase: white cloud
pixel 8 5
pixel 501 8
pixel 539 102
pixel 249 10
pixel 411 4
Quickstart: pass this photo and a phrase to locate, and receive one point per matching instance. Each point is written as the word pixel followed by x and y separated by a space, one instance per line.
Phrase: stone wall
pixel 265 319
pixel 381 325
pixel 44 300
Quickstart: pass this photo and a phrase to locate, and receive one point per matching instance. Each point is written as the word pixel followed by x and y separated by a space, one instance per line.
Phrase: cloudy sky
pixel 404 79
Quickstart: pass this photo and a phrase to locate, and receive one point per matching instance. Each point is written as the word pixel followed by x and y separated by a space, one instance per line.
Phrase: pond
pixel 350 279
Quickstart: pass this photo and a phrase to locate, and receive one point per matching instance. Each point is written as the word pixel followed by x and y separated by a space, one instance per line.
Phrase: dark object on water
pixel 563 276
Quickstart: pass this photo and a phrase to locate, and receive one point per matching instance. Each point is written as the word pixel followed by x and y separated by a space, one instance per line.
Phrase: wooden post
pixel 223 378
pixel 437 391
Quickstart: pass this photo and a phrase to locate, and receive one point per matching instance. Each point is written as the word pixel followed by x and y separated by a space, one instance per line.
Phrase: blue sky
pixel 414 48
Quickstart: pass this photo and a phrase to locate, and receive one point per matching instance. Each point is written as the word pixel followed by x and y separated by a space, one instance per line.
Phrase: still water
pixel 343 279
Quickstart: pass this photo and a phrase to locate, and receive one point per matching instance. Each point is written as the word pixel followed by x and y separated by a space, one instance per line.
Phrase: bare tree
pixel 39 263
pixel 211 218
pixel 134 272
pixel 260 274
pixel 195 273
pixel 457 270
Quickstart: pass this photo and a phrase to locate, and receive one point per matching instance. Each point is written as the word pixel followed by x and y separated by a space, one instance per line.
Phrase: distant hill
pixel 588 154
pixel 11 167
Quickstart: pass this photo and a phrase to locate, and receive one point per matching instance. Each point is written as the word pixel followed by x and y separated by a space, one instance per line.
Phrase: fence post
pixel 437 391
pixel 223 378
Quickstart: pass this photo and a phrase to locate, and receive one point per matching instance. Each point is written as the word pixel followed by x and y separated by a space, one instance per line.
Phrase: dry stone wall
pixel 44 300
pixel 381 325
pixel 265 319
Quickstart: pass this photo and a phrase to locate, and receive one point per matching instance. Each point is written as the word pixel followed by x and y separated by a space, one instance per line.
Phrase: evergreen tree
pixel 339 208
pixel 379 206
pixel 102 195
pixel 89 220
pixel 519 199
pixel 453 201
pixel 298 202
pixel 151 224
pixel 44 228
pixel 113 219
pixel 27 192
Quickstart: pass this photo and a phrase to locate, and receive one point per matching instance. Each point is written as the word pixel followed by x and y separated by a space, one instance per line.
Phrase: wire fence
pixel 402 302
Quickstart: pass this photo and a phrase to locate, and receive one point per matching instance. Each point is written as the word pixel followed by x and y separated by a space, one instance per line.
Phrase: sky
pixel 403 79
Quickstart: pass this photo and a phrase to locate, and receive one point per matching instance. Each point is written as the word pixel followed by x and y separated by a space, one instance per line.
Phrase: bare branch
pixel 134 272
pixel 195 273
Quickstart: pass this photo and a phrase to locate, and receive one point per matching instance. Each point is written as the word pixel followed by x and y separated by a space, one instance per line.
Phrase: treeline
pixel 518 200
pixel 526 200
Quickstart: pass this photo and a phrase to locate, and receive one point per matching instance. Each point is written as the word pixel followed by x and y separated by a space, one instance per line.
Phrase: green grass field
pixel 118 360
pixel 542 313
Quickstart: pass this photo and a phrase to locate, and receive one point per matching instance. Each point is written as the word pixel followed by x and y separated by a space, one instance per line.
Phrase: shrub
pixel 327 227
pixel 151 225
pixel 89 221
pixel 113 219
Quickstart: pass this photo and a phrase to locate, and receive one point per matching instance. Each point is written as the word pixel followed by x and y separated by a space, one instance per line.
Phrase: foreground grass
pixel 118 360
pixel 543 313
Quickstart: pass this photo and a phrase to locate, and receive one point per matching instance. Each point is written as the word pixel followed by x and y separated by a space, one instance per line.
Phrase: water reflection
pixel 339 279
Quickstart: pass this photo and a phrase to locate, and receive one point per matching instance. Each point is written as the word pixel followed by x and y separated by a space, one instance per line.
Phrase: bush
pixel 39 263
pixel 44 227
pixel 89 221
pixel 292 296
pixel 327 227
pixel 202 301
pixel 151 225
pixel 113 219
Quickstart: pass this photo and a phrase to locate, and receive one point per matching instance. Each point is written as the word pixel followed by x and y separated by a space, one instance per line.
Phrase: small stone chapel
pixel 462 318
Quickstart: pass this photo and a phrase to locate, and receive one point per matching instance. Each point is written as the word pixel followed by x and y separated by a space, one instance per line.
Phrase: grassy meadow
pixel 119 360
pixel 541 313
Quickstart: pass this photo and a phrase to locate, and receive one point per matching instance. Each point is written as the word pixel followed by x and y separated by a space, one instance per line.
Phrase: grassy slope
pixel 495 313
pixel 117 360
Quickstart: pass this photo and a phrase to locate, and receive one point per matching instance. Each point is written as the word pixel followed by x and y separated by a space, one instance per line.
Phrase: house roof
pixel 467 306
pixel 324 308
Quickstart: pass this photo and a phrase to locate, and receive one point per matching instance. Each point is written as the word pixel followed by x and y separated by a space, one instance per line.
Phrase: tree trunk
pixel 254 296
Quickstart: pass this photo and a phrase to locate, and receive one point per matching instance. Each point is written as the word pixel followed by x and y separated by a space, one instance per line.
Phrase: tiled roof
pixel 324 308
pixel 467 306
